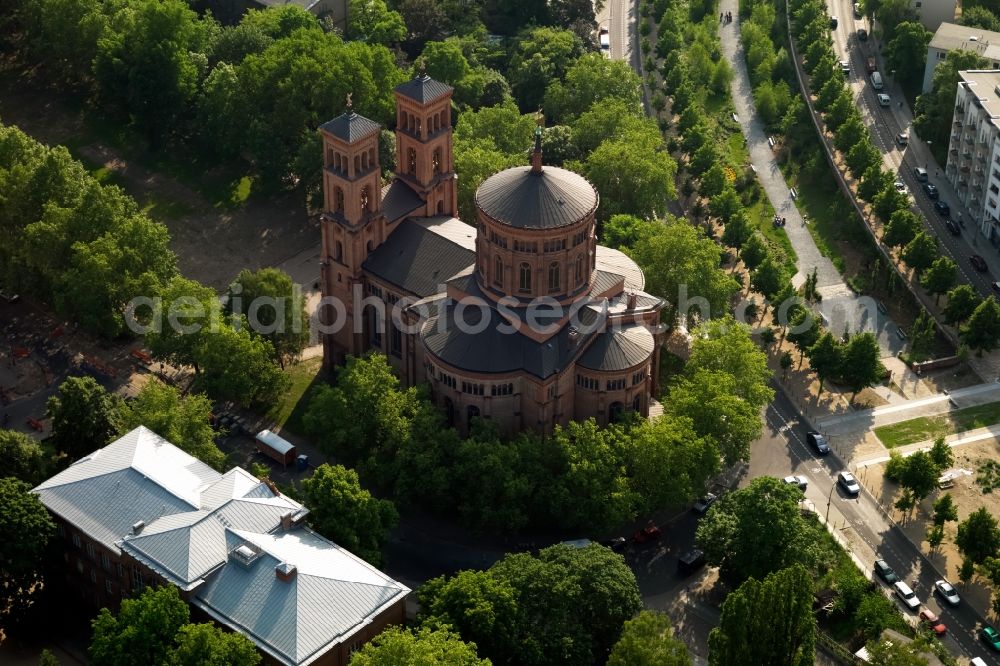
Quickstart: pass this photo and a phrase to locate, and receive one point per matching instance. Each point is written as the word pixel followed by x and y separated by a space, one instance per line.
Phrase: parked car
pixel 942 208
pixel 931 190
pixel 900 186
pixel 845 67
pixel 818 442
pixel 862 35
pixel 978 263
pixel 701 506
pixel 990 636
pixel 952 228
pixel 946 591
pixel 800 481
pixel 871 65
pixel 617 544
pixel 933 622
pixel 847 481
pixel 885 572
pixel 883 99
pixel 920 174
pixel 834 22
pixel 690 562
pixel 906 595
pixel 903 138
pixel 646 534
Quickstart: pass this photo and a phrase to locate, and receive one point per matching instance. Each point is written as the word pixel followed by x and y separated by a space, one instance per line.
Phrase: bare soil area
pixel 213 242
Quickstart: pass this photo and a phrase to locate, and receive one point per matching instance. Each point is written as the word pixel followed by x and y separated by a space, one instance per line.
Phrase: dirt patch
pixel 212 243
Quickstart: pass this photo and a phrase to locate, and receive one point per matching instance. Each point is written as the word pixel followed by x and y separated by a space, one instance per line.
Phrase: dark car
pixel 885 572
pixel 690 562
pixel 952 228
pixel 931 190
pixel 618 544
pixel 862 35
pixel 978 263
pixel 818 442
pixel 701 506
pixel 834 22
pixel 942 208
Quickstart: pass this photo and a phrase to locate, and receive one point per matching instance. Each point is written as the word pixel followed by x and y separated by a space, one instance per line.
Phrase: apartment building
pixel 973 165
pixel 953 37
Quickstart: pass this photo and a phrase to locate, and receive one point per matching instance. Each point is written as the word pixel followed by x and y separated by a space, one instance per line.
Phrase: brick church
pixel 518 316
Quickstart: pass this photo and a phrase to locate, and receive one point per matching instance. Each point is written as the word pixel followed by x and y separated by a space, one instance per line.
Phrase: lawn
pixel 287 412
pixel 932 427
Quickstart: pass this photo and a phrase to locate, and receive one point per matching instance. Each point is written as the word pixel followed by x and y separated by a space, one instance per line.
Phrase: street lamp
pixel 927 164
pixel 829 500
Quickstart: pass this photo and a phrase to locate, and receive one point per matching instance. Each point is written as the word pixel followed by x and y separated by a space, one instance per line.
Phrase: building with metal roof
pixel 140 511
pixel 950 37
pixel 518 316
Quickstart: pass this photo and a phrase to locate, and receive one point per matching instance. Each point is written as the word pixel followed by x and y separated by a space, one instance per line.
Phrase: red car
pixel 648 533
pixel 929 619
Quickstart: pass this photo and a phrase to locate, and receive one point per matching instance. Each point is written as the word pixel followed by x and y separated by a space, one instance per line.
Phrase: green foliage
pixel 738 230
pixel 428 647
pixel 826 357
pixel 894 653
pixel 372 21
pixel 921 252
pixel 509 131
pixel 941 454
pixel 769 277
pixel 907 53
pixel 978 536
pixel 624 231
pixel 982 330
pixel 143 632
pixel 902 227
pixel 945 510
pixel 922 336
pixel 180 419
pixel 544 54
pixel 342 511
pixel 21 457
pixel 475 161
pixel 861 365
pixel 648 640
pixel 207 644
pixel 962 302
pixel 275 308
pixel 633 175
pixel 725 345
pixel 767 622
pixel 85 417
pixel 591 79
pixel 979 17
pixel 875 613
pixel 933 110
pixel 25 530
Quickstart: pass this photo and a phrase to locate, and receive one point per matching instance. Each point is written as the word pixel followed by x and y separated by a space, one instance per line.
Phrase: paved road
pixel 860 522
pixel 885 124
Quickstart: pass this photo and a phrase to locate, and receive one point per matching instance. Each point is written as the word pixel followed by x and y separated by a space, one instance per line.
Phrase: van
pixel 690 562
pixel 977 661
pixel 870 65
pixel 876 81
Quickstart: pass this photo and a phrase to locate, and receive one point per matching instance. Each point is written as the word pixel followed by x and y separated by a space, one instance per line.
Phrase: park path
pixel 762 159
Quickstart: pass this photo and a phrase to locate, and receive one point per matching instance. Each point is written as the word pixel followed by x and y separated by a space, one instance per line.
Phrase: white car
pixel 900 186
pixel 906 595
pixel 883 99
pixel 946 591
pixel 800 481
pixel 845 67
pixel 850 484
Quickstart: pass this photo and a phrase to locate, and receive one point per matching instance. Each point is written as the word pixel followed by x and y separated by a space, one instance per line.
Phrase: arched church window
pixel 553 276
pixel 498 270
pixel 411 161
pixel 525 277
pixel 338 200
pixel 436 160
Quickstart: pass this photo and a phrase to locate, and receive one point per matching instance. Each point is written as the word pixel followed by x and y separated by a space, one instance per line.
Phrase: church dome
pixel 536 199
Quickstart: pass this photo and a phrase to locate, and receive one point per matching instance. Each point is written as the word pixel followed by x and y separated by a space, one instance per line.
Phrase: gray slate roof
pixel 420 255
pixel 617 350
pixel 399 200
pixel 350 127
pixel 552 198
pixel 423 89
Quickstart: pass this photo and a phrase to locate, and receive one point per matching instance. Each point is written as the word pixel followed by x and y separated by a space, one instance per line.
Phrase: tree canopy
pixel 428 647
pixel 22 457
pixel 25 530
pixel 85 417
pixel 648 640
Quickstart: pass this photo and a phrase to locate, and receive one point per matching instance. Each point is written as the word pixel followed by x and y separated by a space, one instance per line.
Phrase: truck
pixel 275 447
pixel 605 39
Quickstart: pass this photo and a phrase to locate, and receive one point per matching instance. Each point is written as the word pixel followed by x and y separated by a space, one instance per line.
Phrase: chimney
pixel 137 526
pixel 631 300
pixel 285 572
pixel 270 486
pixel 286 521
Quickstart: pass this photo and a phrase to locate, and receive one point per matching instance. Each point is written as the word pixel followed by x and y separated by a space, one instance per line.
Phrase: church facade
pixel 519 316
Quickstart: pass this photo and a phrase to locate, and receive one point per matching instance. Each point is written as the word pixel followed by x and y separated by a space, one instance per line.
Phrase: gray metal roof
pixel 420 255
pixel 423 89
pixel 548 199
pixel 616 261
pixel 350 127
pixel 332 594
pixel 399 200
pixel 618 350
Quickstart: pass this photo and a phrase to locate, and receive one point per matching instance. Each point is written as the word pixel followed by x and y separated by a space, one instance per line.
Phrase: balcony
pixel 964 169
pixel 958 123
pixel 969 139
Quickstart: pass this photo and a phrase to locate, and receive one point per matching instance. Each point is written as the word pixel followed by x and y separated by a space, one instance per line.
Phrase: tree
pixel 896 653
pixel 84 416
pixel 21 457
pixel 921 252
pixel 143 632
pixel 503 125
pixel 592 79
pixel 611 119
pixel 633 176
pixel 25 530
pixel 757 530
pixel 186 315
pixel 183 420
pixel 624 231
pixel 727 205
pixel 768 277
pixel 769 622
pixel 754 250
pixel 676 257
pixel 826 358
pixel 861 366
pixel 907 53
pixel 922 337
pixel 962 302
pixel 840 110
pixel 875 613
pixel 200 644
pixel 46 658
pixel 920 475
pixel 738 230
pixel 979 17
pixel 712 181
pixel 875 180
pixel 429 647
pixel 935 535
pixel 941 454
pixel 804 329
pixel 945 510
pixel 372 21
pixel 978 536
pixel 275 308
pixel 648 640
pixel 725 345
pixel 849 134
pixel 892 14
pixel 967 570
pixel 940 277
pixel 982 331
pixel 236 365
pixel 889 200
pixel 786 363
pixel 860 157
pixel 475 161
pixel 902 227
pixel 342 511
pixel 542 55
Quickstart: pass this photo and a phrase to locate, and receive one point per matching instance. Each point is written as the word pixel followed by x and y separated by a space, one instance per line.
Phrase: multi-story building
pixel 142 512
pixel 973 165
pixel 953 37
pixel 933 13
pixel 520 317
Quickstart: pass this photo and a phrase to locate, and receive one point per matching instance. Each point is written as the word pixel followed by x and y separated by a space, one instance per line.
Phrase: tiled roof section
pixel 332 594
pixel 618 350
pixel 603 281
pixel 420 255
pixel 140 476
pixel 549 199
pixel 350 127
pixel 616 261
pixel 423 89
pixel 399 200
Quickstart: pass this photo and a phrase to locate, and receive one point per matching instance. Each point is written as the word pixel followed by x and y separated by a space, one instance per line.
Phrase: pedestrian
pixel 722 15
